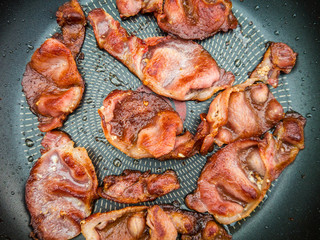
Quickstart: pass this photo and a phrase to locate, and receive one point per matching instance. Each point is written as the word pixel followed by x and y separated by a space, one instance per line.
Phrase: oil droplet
pixel 313 108
pixel 3 55
pixel 227 43
pixel 297 38
pixel 30 47
pixel 276 32
pixel 309 115
pixel 99 158
pixel 89 100
pixel 257 7
pixel 237 62
pixel 12 192
pixel 250 23
pixel 100 69
pixel 317 138
pixel 29 142
pixel 158 170
pixel 117 162
pixel 30 159
pixel 84 118
pixel 22 20
pixel 135 161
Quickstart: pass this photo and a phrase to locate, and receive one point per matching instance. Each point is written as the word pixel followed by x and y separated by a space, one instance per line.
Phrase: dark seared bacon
pixel 155 222
pixel 60 189
pixel 128 8
pixel 171 67
pixel 196 19
pixel 52 84
pixel 279 57
pixel 72 21
pixel 237 177
pixel 135 186
pixel 248 109
pixel 144 125
pixel 188 19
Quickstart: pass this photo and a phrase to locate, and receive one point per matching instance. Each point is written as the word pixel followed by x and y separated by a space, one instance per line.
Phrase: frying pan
pixel 291 209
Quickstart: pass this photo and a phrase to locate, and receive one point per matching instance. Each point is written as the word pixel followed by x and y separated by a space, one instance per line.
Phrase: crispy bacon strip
pixel 188 19
pixel 144 125
pixel 72 21
pixel 60 189
pixel 155 222
pixel 236 178
pixel 245 110
pixel 279 57
pixel 171 67
pixel 135 186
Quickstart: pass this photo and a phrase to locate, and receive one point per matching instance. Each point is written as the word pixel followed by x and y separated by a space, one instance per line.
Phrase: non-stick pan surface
pixel 291 209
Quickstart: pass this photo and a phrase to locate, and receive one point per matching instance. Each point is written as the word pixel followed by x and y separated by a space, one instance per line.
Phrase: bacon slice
pixel 52 84
pixel 72 21
pixel 127 223
pixel 236 178
pixel 196 19
pixel 188 19
pixel 144 125
pixel 279 57
pixel 135 186
pixel 171 67
pixel 128 8
pixel 155 222
pixel 245 110
pixel 60 189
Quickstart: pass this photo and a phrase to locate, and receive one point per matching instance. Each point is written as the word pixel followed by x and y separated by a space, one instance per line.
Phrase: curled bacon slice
pixel 72 21
pixel 135 186
pixel 236 178
pixel 154 222
pixel 196 19
pixel 171 67
pixel 144 125
pixel 248 109
pixel 60 189
pixel 51 82
pixel 188 19
pixel 279 57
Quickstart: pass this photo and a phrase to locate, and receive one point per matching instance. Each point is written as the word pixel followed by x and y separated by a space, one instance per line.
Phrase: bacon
pixel 127 223
pixel 72 21
pixel 144 125
pixel 279 57
pixel 60 189
pixel 236 178
pixel 128 8
pixel 196 19
pixel 188 19
pixel 170 67
pixel 154 222
pixel 135 186
pixel 245 110
pixel 52 84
